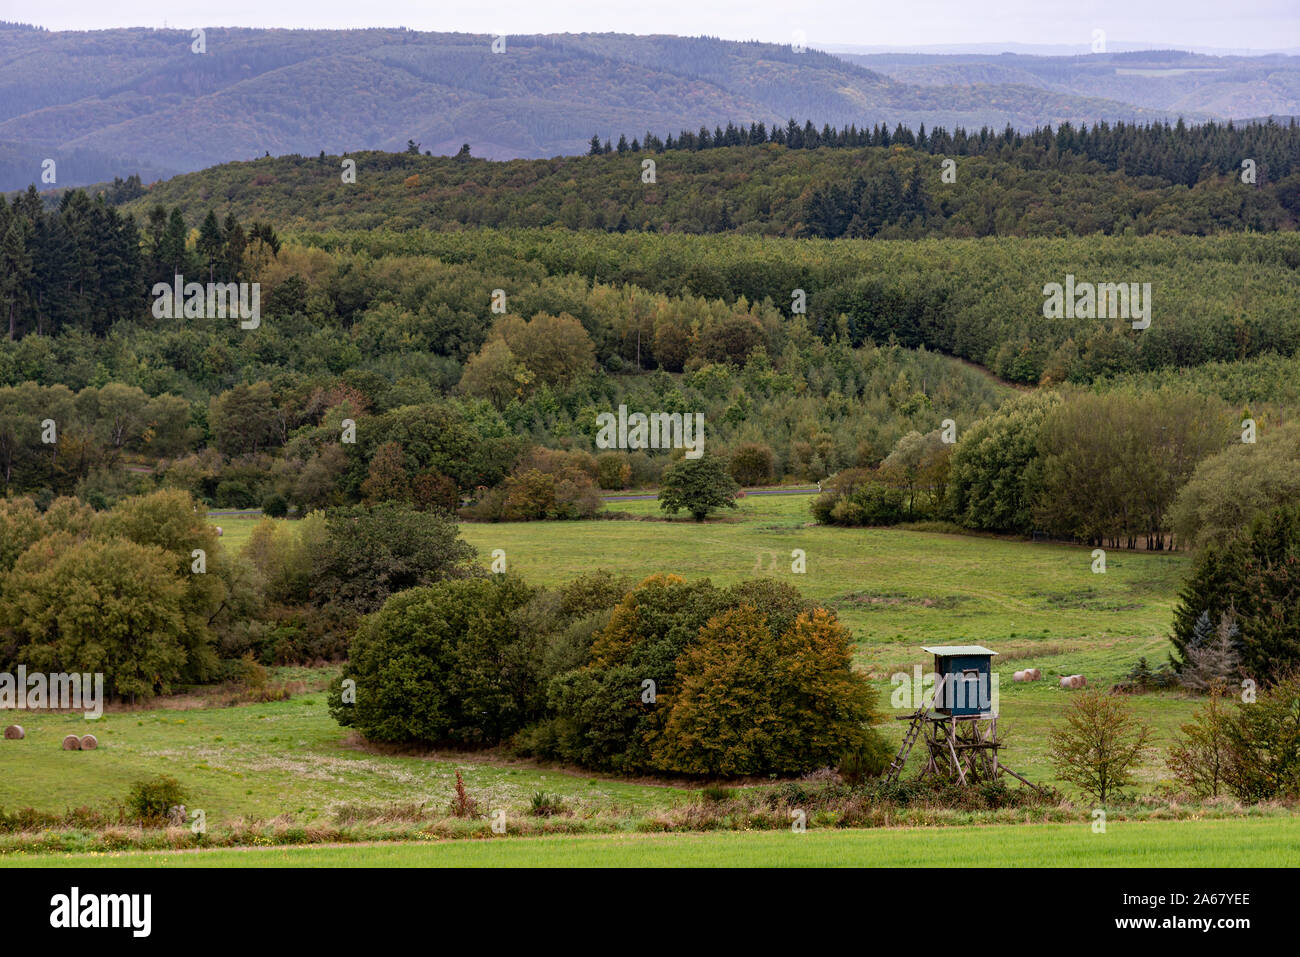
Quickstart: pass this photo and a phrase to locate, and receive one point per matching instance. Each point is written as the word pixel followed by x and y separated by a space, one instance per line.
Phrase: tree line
pixel 85 265
pixel 1178 152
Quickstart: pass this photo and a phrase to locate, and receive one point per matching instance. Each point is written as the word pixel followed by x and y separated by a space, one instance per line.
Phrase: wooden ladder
pixel 909 739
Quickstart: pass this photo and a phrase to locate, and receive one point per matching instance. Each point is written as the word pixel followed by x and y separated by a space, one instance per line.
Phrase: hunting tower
pixel 960 724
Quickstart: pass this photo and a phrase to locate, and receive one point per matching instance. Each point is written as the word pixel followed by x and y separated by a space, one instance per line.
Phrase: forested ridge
pixel 796 181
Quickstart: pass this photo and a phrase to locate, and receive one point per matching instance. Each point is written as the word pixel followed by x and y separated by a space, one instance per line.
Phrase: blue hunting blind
pixel 960 725
pixel 966 674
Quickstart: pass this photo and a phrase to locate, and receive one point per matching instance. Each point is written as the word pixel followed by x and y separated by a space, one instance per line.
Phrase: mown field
pixel 1273 842
pixel 265 760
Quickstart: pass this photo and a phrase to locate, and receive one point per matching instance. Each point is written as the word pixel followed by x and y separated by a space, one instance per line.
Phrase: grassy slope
pixel 1035 604
pixel 1219 843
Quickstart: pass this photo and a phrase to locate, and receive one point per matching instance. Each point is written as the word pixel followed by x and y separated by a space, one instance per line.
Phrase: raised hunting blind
pixel 959 722
pixel 964 679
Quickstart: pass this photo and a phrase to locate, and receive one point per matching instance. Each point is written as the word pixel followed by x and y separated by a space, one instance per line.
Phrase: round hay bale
pixel 89 742
pixel 72 743
pixel 15 732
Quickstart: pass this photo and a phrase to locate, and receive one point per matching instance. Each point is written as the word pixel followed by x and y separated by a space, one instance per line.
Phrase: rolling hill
pixel 115 102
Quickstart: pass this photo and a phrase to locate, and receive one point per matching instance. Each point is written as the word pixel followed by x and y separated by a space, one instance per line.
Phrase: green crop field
pixel 1273 842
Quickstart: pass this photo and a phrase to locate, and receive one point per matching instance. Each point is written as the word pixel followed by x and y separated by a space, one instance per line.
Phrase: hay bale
pixel 1034 674
pixel 15 732
pixel 89 742
pixel 72 743
pixel 220 531
pixel 1065 682
pixel 1020 676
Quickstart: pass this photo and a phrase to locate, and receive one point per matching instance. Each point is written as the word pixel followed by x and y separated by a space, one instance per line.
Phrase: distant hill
pixel 1232 87
pixel 110 103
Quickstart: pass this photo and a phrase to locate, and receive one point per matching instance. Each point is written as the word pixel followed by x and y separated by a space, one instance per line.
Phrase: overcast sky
pixel 1244 24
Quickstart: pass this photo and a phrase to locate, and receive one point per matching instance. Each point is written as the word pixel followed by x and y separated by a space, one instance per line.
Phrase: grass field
pixel 264 760
pixel 1036 604
pixel 1040 604
pixel 1273 842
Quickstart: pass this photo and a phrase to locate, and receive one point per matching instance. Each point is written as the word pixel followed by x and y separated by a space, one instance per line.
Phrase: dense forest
pixel 809 361
pixel 848 327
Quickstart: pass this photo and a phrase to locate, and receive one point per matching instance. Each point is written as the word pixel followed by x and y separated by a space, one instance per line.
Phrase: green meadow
pixel 1036 604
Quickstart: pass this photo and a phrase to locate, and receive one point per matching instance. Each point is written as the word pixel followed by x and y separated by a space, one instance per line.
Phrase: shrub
pixel 1200 758
pixel 613 471
pixel 1263 739
pixel 150 798
pixel 751 701
pixel 867 760
pixel 1099 744
pixel 275 505
pixel 235 494
pixel 857 497
pixel 753 464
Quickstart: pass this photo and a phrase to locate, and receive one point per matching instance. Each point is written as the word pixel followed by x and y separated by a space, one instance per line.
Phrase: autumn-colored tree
pixel 387 479
pixel 433 490
pixel 751 702
pixel 115 607
pixel 554 349
pixel 496 374
pixel 613 470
